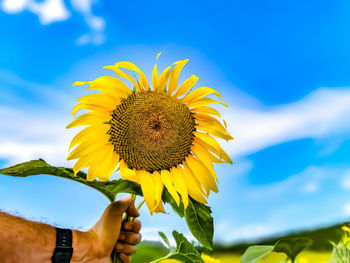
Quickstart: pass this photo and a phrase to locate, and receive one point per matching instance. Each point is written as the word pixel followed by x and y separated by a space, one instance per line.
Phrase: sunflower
pixel 208 259
pixel 157 136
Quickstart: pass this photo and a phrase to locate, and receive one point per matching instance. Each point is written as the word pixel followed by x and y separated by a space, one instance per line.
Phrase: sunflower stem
pixel 115 257
pixel 140 204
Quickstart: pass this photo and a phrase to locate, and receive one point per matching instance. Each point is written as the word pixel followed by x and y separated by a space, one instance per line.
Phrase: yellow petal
pixel 202 174
pixel 166 179
pixel 207 110
pixel 174 75
pixel 110 82
pixel 97 165
pixel 163 79
pixel 186 86
pixel 158 55
pixel 199 93
pixel 99 99
pixel 147 187
pixel 202 154
pixel 124 75
pixel 108 164
pixel 159 208
pixel 194 187
pixel 208 259
pixel 83 163
pixel 92 107
pixel 180 185
pixel 86 148
pixel 128 174
pixel 212 157
pixel 204 102
pixel 88 134
pixel 158 187
pixel 91 174
pixel 91 118
pixel 131 66
pixel 226 136
pixel 155 77
pixel 111 94
pixel 109 85
pixel 213 145
pixel 209 121
pixel 79 83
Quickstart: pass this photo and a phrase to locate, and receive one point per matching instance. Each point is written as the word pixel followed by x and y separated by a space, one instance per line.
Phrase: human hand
pixel 128 239
pixel 108 234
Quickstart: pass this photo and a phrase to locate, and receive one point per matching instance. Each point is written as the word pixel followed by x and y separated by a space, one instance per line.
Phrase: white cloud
pixel 347 209
pixel 83 6
pixel 227 232
pixel 86 39
pixel 25 136
pixel 310 187
pixel 308 181
pixel 50 11
pixel 96 24
pixel 14 6
pixel 30 131
pixel 322 113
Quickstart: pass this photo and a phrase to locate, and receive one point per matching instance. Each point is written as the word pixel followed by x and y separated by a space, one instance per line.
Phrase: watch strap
pixel 64 250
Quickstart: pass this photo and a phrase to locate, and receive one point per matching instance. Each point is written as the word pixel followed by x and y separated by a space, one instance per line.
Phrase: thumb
pixel 127 205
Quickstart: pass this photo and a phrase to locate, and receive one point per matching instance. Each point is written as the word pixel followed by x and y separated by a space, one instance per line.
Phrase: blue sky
pixel 283 67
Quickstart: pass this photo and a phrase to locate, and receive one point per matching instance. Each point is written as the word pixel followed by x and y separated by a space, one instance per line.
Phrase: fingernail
pixel 119 246
pixel 122 236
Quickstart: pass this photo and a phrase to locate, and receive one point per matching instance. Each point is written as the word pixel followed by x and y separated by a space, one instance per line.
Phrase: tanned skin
pixel 23 241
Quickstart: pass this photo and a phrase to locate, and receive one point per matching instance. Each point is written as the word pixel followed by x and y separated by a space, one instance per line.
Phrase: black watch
pixel 64 250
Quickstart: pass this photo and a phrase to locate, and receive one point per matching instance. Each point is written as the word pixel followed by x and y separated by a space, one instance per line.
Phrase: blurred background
pixel 282 66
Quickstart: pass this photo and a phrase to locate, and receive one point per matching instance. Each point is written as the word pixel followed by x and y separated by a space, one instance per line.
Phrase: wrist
pixel 82 246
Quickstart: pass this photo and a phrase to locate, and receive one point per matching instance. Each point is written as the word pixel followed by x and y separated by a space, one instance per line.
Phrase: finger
pixel 132 211
pixel 125 258
pixel 126 248
pixel 130 237
pixel 125 205
pixel 133 225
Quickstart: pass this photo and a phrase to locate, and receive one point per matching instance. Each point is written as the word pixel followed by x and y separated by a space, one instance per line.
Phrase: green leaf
pixel 200 222
pixel 184 252
pixel 289 246
pixel 292 246
pixel 255 253
pixel 166 197
pixel 198 218
pixel 165 239
pixel 110 188
pixel 121 186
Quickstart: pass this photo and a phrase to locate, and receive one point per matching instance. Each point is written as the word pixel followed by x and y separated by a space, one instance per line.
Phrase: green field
pixel 146 255
pixel 319 251
pixel 304 257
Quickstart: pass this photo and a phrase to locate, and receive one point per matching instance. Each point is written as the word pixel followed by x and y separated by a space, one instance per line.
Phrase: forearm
pixel 25 241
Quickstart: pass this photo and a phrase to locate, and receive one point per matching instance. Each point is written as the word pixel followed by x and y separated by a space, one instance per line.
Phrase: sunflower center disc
pixel 152 131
